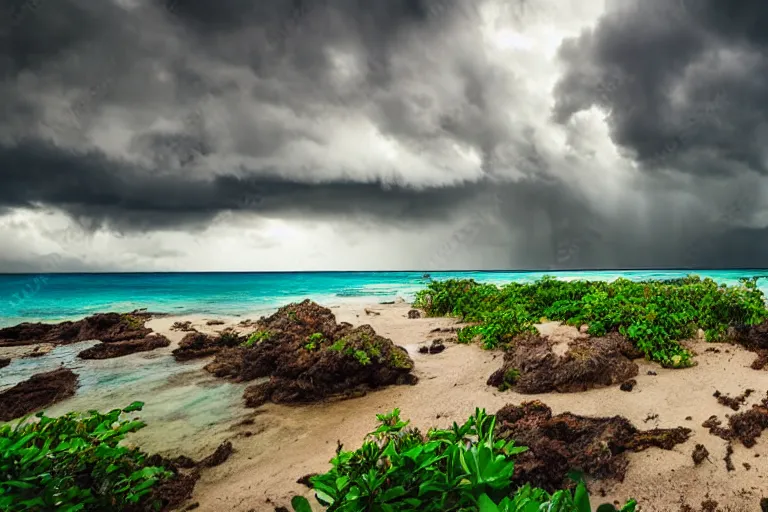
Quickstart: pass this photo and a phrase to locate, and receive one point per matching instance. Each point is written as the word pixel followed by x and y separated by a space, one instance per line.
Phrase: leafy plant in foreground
pixel 73 462
pixel 463 468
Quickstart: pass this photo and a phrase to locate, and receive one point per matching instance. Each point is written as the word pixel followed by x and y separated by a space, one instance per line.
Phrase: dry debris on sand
pixel 309 357
pixel 700 453
pixel 37 392
pixel 561 443
pixel 733 402
pixel 745 427
pixel 531 365
pixel 124 333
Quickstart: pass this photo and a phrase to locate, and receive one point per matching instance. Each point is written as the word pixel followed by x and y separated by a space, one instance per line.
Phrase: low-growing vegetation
pixel 257 337
pixel 654 315
pixel 74 462
pixel 464 468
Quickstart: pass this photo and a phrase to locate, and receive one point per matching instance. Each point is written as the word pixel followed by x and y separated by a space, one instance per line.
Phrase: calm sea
pixel 56 297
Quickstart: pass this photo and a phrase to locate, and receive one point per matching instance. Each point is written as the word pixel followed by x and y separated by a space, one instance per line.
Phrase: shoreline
pixel 286 442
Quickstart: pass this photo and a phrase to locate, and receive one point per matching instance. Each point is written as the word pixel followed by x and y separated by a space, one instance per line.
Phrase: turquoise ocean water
pixel 56 297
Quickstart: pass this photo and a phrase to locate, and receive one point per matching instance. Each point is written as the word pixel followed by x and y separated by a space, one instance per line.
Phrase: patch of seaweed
pixel 531 366
pixel 561 443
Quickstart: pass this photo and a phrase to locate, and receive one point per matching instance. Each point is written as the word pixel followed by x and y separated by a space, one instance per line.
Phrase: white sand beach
pixel 283 443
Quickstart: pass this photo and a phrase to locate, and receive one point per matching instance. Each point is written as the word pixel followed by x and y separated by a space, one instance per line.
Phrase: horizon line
pixel 412 271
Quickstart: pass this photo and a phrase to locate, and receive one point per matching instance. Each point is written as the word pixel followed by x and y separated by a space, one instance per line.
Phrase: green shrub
pixel 459 469
pixel 362 357
pixel 313 341
pixel 654 315
pixel 257 337
pixel 73 462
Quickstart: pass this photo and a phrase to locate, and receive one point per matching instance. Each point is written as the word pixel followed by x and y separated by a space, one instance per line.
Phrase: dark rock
pixel 37 392
pixel 700 453
pixel 414 313
pixel 557 444
pixel 628 385
pixel 104 327
pixel 309 357
pixel 195 345
pixel 651 372
pixel 218 457
pixel 4 361
pixel 436 347
pixel 214 322
pixel 588 363
pixel 123 348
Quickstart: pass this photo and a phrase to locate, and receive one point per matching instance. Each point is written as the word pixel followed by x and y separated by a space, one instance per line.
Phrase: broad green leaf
pixel 300 504
pixel 486 504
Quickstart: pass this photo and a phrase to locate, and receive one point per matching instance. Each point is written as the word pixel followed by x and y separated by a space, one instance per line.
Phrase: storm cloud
pixel 523 134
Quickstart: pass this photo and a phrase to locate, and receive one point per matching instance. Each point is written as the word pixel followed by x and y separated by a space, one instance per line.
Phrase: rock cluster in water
pixel 119 334
pixel 37 392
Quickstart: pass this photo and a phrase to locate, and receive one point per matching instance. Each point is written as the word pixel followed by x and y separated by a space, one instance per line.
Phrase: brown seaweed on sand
pixel 745 426
pixel 754 338
pixel 532 366
pixel 561 443
pixel 37 392
pixel 308 357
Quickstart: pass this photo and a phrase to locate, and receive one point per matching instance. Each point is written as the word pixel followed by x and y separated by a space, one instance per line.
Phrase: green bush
pixel 459 469
pixel 256 338
pixel 654 315
pixel 73 462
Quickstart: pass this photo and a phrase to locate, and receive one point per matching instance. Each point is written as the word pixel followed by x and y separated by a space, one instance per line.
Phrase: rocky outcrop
pixel 105 327
pixel 119 333
pixel 37 392
pixel 123 348
pixel 196 345
pixel 532 366
pixel 307 357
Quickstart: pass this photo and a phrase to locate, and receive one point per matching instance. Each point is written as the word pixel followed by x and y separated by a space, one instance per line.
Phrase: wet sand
pixel 287 442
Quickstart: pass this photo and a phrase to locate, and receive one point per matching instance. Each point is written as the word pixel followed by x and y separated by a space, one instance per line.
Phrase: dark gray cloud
pixel 685 82
pixel 141 115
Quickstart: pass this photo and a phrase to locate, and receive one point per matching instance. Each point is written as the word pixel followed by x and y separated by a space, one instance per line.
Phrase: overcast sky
pixel 382 134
